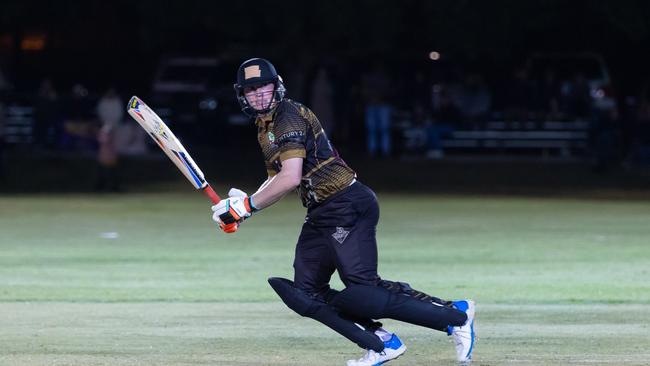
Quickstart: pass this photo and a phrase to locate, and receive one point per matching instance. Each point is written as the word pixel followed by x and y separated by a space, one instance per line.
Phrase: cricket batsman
pixel 339 232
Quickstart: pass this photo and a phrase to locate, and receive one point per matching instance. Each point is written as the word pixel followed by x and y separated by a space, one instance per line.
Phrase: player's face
pixel 260 97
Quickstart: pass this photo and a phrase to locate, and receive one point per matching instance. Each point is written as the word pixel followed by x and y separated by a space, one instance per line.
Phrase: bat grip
pixel 214 197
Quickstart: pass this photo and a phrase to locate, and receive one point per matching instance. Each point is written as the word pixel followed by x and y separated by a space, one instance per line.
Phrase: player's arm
pixel 280 184
pixel 290 130
pixel 240 206
pixel 266 183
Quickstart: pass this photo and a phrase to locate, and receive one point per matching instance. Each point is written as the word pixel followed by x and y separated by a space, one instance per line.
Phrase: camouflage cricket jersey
pixel 293 131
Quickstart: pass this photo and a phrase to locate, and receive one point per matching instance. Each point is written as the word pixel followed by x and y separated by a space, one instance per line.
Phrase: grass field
pixel 146 279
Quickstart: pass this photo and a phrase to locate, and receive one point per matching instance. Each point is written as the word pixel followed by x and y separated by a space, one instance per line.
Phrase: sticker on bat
pixel 160 130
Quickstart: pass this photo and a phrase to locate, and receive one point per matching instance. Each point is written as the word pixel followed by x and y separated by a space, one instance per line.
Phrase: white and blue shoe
pixel 464 335
pixel 393 348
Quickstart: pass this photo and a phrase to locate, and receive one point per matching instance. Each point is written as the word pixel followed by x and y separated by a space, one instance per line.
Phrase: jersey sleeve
pixel 291 134
pixel 270 170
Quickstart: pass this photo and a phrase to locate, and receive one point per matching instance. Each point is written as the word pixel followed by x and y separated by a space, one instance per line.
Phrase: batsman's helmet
pixel 257 72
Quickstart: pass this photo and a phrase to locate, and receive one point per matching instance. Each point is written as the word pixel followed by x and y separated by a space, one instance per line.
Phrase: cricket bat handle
pixel 214 197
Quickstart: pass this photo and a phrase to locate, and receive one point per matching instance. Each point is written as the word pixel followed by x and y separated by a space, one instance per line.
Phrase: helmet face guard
pixel 278 94
pixel 257 72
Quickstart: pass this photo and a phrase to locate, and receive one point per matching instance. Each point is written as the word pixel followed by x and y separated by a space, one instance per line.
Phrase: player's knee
pixel 308 306
pixel 295 298
pixel 362 278
pixel 362 300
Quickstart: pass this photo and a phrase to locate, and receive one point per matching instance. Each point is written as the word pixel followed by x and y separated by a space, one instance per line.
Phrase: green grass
pixel 557 281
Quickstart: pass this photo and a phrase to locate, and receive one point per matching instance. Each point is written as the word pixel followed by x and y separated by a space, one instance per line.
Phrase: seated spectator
pixel 519 97
pixel 604 138
pixel 548 97
pixel 575 98
pixel 130 139
pixel 473 100
pixel 47 116
pixel 80 126
pixel 444 110
pixel 446 117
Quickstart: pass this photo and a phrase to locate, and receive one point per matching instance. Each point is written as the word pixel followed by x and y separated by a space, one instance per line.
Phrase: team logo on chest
pixel 271 137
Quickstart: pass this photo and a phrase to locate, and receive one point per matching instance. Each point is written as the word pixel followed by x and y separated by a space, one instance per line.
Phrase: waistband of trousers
pixel 350 186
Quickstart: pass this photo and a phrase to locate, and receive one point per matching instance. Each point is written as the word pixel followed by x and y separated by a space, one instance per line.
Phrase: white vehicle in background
pixel 567 66
pixel 195 90
pixel 184 75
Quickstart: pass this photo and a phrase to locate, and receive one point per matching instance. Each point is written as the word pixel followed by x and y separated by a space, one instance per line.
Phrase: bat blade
pixel 167 141
pixel 173 148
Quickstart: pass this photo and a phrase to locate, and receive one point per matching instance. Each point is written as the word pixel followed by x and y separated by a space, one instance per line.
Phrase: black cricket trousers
pixel 339 234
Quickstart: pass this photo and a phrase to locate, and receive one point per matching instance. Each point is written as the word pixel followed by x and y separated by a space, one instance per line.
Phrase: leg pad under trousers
pixel 377 302
pixel 406 289
pixel 305 305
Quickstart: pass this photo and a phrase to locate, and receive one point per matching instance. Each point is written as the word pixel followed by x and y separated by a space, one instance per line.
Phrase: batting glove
pixel 232 210
pixel 234 192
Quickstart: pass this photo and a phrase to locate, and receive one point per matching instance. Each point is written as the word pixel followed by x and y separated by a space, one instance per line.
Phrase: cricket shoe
pixel 464 335
pixel 393 348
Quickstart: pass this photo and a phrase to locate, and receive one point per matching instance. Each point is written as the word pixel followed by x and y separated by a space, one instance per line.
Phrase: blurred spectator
pixel 110 108
pixel 431 116
pixel 473 99
pixel 130 139
pixel 519 97
pixel 375 89
pixel 604 138
pixel 446 117
pixel 110 111
pixel 47 115
pixel 418 91
pixel 79 129
pixel 605 128
pixel 444 109
pixel 434 131
pixel 322 102
pixel 576 98
pixel 548 97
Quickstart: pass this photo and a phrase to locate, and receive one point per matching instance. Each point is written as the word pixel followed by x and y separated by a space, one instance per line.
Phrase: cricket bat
pixel 173 148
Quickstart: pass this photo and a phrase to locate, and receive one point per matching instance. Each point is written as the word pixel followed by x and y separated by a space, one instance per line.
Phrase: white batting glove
pixel 234 192
pixel 232 210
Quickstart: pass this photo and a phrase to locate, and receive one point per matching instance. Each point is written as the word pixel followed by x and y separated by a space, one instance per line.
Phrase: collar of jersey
pixel 263 120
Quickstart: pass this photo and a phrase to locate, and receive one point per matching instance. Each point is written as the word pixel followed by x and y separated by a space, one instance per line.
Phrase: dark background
pixel 121 43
